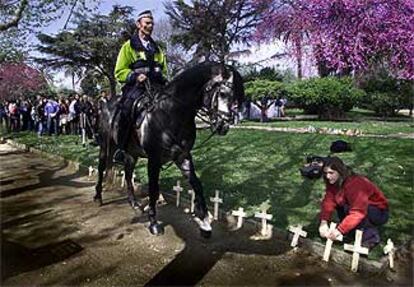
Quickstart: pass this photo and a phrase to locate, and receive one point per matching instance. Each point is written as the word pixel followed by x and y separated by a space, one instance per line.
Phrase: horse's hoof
pixel 135 205
pixel 98 200
pixel 205 233
pixel 156 229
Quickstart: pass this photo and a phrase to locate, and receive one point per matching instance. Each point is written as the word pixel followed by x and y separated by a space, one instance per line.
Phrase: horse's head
pixel 224 92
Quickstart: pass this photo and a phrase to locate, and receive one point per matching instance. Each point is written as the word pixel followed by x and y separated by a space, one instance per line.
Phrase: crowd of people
pixel 51 115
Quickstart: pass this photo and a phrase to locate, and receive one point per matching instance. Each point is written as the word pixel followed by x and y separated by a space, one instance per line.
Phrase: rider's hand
pixel 141 78
pixel 323 229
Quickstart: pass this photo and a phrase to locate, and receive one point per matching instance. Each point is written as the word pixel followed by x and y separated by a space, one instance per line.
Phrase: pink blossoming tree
pixel 19 79
pixel 346 35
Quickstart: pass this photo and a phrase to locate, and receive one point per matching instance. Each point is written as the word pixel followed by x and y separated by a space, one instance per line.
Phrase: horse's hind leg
pixel 154 193
pixel 187 168
pixel 101 169
pixel 129 170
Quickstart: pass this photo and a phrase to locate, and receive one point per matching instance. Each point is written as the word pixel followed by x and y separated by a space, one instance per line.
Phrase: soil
pixel 53 234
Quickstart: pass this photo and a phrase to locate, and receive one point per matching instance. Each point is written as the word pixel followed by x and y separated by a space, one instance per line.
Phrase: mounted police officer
pixel 140 64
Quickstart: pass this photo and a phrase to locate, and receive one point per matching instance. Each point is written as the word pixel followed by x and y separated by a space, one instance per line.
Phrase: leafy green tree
pixel 263 92
pixel 34 14
pixel 258 89
pixel 385 94
pixel 266 73
pixel 89 85
pixel 65 92
pixel 92 46
pixel 329 97
pixel 211 27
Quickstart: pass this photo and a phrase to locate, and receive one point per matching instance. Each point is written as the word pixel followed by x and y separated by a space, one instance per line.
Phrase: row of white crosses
pixel 297 231
pixel 356 248
pixel 92 171
pixel 123 179
pixel 216 200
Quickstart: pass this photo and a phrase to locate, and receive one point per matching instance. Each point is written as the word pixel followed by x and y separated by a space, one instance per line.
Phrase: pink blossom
pixel 346 33
pixel 18 79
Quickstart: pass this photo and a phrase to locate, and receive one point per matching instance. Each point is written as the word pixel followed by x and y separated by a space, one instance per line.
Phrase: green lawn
pixel 252 168
pixel 357 118
pixel 367 127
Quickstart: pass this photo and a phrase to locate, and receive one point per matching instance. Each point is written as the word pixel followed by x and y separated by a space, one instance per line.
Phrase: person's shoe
pixel 371 238
pixel 119 156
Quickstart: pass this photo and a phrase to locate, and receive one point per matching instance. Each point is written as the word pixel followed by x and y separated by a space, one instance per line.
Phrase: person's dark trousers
pixel 25 120
pixel 49 125
pixel 56 121
pixel 129 95
pixel 369 225
pixel 123 128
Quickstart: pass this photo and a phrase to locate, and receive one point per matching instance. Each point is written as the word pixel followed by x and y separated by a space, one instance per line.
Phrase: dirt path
pixel 52 234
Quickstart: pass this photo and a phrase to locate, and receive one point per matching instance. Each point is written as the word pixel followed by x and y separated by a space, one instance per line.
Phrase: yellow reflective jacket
pixel 133 58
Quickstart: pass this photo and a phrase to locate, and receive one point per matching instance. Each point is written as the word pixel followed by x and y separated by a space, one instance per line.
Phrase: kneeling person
pixel 358 202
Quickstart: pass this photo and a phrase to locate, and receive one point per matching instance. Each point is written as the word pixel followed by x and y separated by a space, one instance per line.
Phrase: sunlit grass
pixel 255 167
pixel 366 127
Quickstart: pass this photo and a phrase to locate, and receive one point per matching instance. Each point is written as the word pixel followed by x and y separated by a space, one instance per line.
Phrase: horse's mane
pixel 196 76
pixel 188 75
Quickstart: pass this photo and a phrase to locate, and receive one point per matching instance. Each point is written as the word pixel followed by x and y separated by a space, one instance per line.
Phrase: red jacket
pixel 357 192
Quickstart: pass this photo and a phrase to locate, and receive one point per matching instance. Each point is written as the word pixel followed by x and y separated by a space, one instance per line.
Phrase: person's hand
pixel 323 229
pixel 334 235
pixel 141 78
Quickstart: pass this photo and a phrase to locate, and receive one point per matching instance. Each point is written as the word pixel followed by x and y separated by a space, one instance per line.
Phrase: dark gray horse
pixel 168 132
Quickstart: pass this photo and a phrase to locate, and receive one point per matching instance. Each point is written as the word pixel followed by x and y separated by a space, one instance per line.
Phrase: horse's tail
pixel 106 114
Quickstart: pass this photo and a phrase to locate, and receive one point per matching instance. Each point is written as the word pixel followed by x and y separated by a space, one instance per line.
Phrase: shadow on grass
pixel 254 167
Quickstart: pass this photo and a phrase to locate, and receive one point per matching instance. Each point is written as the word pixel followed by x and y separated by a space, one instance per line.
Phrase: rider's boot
pixel 121 140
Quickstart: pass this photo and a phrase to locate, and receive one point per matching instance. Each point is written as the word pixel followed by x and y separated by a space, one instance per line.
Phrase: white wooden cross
pixel 329 242
pixel 177 188
pixel 357 249
pixel 123 179
pixel 114 175
pixel 91 171
pixel 83 137
pixel 390 250
pixel 240 214
pixel 264 216
pixel 192 199
pixel 133 179
pixel 297 232
pixel 217 200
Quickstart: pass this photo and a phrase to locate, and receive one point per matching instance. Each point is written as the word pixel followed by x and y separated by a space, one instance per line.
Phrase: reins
pixel 202 112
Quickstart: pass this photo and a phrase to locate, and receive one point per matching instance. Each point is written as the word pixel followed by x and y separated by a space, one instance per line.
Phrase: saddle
pixel 135 105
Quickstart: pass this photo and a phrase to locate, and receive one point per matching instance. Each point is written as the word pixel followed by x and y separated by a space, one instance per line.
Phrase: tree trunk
pixel 323 70
pixel 298 46
pixel 73 81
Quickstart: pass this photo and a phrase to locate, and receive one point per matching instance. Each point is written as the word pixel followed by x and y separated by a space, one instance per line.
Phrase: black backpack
pixel 340 146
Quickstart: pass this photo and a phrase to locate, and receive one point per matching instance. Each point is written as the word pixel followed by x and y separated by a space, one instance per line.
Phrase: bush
pixel 386 95
pixel 328 97
pixel 258 89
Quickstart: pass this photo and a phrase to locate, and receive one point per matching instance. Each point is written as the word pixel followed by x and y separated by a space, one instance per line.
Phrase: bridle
pixel 210 112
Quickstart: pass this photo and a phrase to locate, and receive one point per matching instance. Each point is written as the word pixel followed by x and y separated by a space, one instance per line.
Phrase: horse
pixel 167 133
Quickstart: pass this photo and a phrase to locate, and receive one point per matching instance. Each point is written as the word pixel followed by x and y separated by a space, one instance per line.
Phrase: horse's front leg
pixel 101 169
pixel 154 192
pixel 187 168
pixel 129 170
